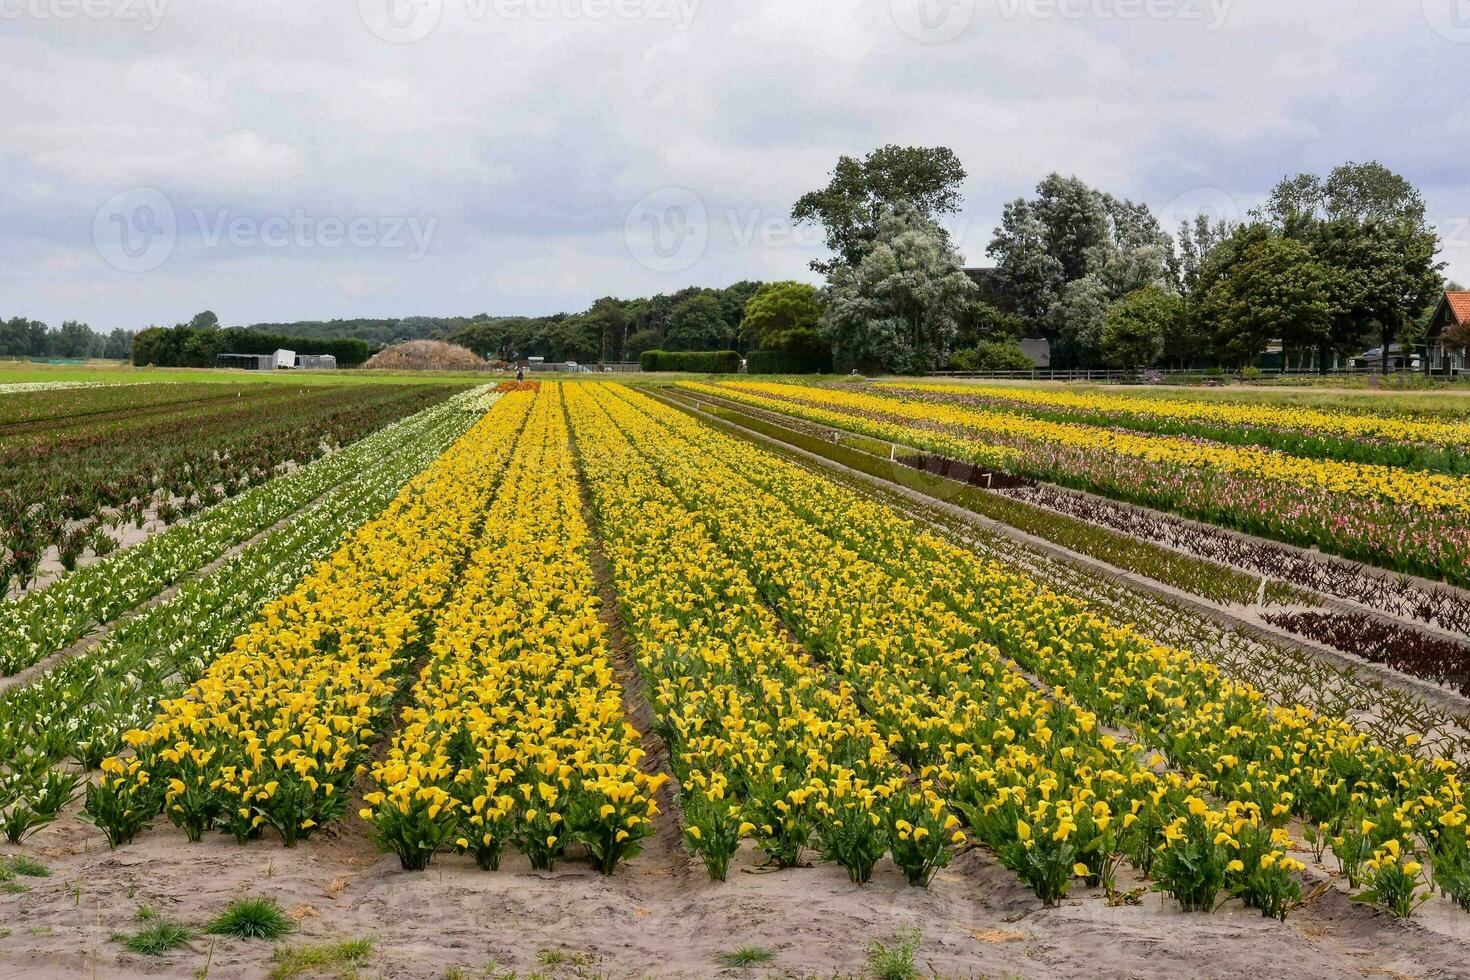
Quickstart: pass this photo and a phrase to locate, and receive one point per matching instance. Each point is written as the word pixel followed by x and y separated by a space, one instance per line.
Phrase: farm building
pixel 246 362
pixel 1440 356
pixel 280 360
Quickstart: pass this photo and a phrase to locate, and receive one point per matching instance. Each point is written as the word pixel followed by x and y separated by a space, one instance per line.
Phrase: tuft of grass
pixel 560 957
pixel 29 867
pixel 145 913
pixel 12 887
pixel 294 961
pixel 251 918
pixel 157 939
pixel 746 956
pixel 894 962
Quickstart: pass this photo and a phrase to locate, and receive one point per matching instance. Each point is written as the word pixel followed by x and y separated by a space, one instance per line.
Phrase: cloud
pixel 526 131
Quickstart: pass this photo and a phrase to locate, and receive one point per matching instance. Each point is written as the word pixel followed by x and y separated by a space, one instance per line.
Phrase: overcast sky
pixel 304 159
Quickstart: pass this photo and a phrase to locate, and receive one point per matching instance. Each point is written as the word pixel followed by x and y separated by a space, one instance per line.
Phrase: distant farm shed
pixel 246 362
pixel 1039 350
pixel 280 360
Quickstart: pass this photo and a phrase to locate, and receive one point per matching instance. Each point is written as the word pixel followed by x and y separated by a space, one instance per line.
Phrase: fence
pixel 1175 375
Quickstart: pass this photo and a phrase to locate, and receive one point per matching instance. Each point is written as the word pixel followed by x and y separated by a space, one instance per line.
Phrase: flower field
pixel 80 464
pixel 1397 517
pixel 570 651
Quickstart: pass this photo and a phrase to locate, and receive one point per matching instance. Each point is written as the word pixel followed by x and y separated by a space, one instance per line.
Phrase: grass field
pixel 732 676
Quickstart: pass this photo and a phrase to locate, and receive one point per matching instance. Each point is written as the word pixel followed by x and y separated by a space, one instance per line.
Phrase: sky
pixel 278 160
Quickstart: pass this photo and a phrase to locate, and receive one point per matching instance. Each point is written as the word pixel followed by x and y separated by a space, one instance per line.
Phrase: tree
pixel 785 316
pixel 993 355
pixel 119 346
pixel 574 338
pixel 15 337
pixel 606 317
pixel 1274 289
pixel 1385 273
pixel 899 308
pixel 698 323
pixel 1367 225
pixel 733 301
pixel 1196 242
pixel 1135 327
pixel 73 340
pixel 1075 222
pixel 204 321
pixel 1457 337
pixel 850 207
pixel 40 338
pixel 640 341
pixel 1031 278
pixel 1069 233
pixel 1077 318
pixel 983 323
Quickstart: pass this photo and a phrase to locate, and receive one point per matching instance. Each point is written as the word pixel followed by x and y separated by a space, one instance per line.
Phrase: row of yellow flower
pixel 1433 491
pixel 1031 773
pixel 764 743
pixel 1349 424
pixel 516 733
pixel 1273 761
pixel 274 733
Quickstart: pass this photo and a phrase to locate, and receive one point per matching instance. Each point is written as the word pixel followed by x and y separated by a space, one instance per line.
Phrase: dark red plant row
pixel 975 476
pixel 1429 658
pixel 1395 594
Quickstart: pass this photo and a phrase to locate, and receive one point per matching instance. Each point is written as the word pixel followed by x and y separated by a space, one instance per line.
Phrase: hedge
pixel 185 346
pixel 693 361
pixel 785 362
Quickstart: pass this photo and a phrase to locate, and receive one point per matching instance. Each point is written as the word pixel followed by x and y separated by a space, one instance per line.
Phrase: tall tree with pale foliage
pixel 899 308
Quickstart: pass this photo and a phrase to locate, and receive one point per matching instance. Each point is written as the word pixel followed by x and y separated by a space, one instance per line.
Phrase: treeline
pixel 199 342
pixel 615 330
pixel 1326 267
pixel 377 332
pixel 20 337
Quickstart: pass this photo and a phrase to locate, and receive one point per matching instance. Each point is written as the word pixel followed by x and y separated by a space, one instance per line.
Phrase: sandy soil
pixel 660 916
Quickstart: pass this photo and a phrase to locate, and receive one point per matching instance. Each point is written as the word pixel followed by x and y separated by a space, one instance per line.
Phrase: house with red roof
pixel 1442 357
